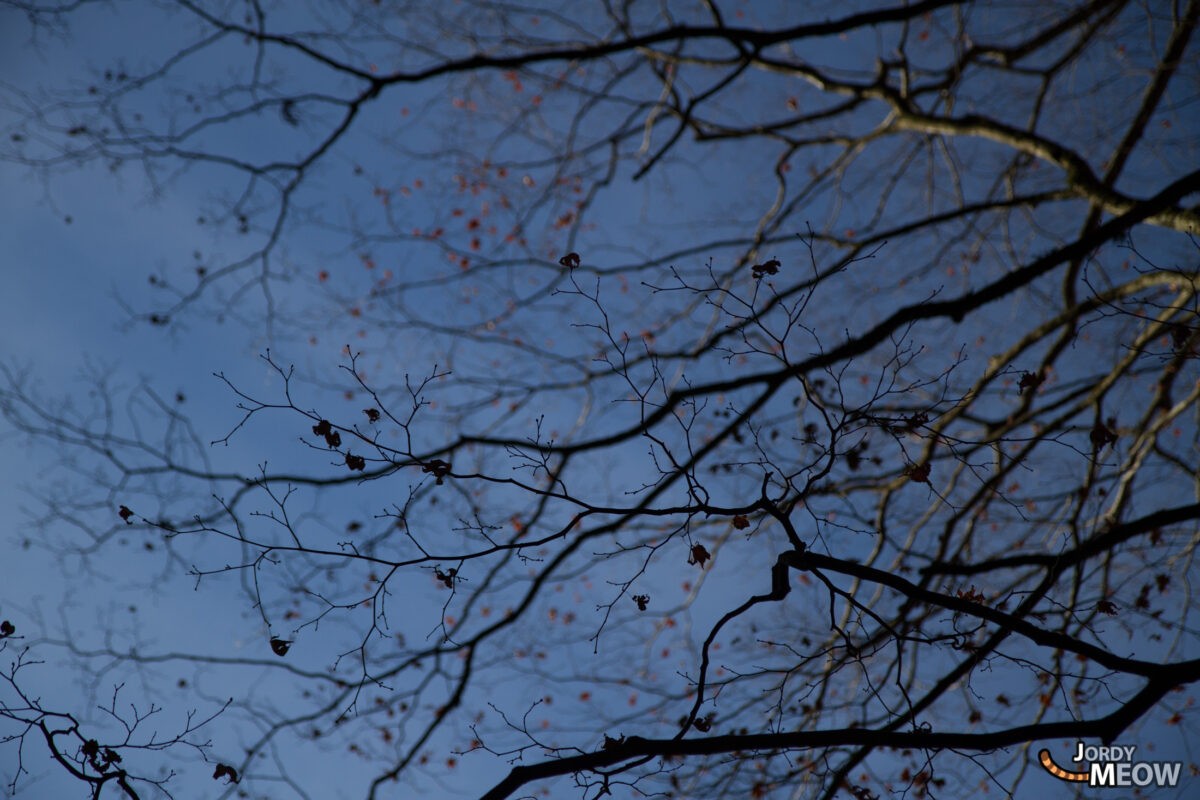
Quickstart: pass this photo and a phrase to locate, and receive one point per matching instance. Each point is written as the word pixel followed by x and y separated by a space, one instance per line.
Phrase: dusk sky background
pixel 76 251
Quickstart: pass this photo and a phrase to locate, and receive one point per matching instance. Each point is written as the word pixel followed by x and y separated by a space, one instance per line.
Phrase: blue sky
pixel 62 317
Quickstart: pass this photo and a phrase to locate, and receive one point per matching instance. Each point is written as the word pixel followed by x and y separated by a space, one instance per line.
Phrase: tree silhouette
pixel 741 402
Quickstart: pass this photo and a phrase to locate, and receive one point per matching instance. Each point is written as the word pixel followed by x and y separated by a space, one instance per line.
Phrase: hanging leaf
pixel 446 577
pixel 372 414
pixel 279 647
pixel 1030 381
pixel 125 514
pixel 6 629
pixel 610 743
pixel 918 472
pixel 332 437
pixel 1179 337
pixel 324 428
pixel 570 260
pixel 225 771
pixel 1101 436
pixel 357 462
pixel 740 522
pixel 437 467
pixel 766 268
pixel 971 595
pixel 698 555
pixel 642 600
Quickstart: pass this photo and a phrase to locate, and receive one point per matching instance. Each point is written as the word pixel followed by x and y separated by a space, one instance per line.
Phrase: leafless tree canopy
pixel 766 400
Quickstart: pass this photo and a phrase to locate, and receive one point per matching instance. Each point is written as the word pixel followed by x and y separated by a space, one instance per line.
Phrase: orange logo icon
pixel 1059 772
